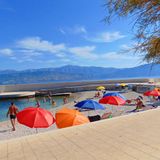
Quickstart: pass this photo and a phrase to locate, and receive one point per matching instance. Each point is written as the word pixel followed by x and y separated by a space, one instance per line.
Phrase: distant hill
pixel 76 73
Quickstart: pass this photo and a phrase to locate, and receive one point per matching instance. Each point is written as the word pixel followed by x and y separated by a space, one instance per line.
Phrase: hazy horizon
pixel 69 65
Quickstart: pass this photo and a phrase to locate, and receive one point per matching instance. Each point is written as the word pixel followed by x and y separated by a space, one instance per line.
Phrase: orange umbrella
pixel 69 117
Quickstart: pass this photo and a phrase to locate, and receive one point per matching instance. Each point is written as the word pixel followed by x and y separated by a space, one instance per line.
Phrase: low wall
pixel 68 86
pixel 143 88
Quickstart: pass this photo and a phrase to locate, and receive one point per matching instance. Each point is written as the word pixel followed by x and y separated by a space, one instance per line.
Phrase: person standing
pixel 65 100
pixel 12 111
pixel 53 102
pixel 38 103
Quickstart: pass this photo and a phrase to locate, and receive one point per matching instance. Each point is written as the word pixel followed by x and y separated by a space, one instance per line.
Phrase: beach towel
pixel 94 118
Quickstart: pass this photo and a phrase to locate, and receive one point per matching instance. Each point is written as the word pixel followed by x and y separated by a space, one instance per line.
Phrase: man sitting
pixel 139 104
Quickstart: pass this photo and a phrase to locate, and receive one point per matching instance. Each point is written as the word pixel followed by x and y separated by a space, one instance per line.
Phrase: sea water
pixel 22 103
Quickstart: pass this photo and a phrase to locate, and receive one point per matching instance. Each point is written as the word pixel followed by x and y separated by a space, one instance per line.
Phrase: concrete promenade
pixel 131 137
pixel 16 94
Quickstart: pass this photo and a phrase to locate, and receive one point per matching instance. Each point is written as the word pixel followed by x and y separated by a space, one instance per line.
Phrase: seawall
pixel 70 86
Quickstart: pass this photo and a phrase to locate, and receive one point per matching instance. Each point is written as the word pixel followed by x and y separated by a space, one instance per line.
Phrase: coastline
pixel 5 127
pixel 21 130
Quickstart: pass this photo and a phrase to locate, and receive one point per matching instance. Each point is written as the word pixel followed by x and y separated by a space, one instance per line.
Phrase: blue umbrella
pixel 114 94
pixel 90 104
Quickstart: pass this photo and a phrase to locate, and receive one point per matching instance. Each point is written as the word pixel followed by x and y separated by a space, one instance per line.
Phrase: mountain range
pixel 76 73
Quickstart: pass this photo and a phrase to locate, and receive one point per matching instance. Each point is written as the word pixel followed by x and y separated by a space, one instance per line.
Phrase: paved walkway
pixel 133 137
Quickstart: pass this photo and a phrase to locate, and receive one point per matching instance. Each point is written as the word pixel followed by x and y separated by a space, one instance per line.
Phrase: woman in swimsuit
pixel 12 111
pixel 139 104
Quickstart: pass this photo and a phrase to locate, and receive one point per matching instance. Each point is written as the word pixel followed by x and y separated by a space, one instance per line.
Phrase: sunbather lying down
pixel 106 115
pixel 142 109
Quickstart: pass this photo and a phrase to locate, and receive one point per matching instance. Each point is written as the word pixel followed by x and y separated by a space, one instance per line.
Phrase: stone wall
pixel 67 87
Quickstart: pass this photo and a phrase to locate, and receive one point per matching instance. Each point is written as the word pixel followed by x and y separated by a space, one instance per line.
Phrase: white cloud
pixel 6 52
pixel 36 49
pixel 13 58
pixel 117 56
pixel 83 52
pixel 90 53
pixel 129 46
pixel 51 61
pixel 62 31
pixel 61 55
pixel 66 60
pixel 109 55
pixel 30 53
pixel 26 59
pixel 106 37
pixel 36 44
pixel 125 47
pixel 77 29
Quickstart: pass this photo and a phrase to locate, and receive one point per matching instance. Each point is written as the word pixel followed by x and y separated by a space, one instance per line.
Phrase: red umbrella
pixel 35 117
pixel 152 93
pixel 114 100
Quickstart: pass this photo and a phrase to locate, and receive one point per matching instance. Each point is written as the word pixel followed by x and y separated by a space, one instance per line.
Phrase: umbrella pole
pixel 114 108
pixel 36 130
pixel 96 112
pixel 88 113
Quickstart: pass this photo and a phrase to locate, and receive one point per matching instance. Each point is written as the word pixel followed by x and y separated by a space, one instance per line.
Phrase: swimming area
pixel 22 103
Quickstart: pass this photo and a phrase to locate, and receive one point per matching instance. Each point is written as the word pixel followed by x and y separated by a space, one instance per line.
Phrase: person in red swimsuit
pixel 12 111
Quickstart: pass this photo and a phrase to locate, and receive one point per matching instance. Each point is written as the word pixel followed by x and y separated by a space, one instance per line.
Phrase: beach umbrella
pixel 113 100
pixel 152 93
pixel 147 93
pixel 123 84
pixel 151 81
pixel 114 94
pixel 35 117
pixel 117 84
pixel 90 104
pixel 158 89
pixel 69 117
pixel 100 88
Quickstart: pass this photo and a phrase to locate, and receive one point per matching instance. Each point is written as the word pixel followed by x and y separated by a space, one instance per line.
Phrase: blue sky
pixel 53 33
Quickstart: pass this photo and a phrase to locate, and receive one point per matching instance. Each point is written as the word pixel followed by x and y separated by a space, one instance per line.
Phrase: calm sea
pixel 25 102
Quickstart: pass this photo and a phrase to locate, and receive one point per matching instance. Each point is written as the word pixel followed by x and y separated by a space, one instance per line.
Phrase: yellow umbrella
pixel 100 88
pixel 123 84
